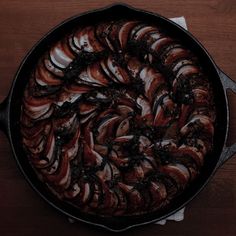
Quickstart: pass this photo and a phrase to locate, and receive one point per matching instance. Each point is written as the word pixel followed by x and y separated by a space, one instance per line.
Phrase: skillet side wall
pixel 209 68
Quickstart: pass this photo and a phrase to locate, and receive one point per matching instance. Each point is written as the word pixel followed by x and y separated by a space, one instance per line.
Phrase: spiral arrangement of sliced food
pixel 117 118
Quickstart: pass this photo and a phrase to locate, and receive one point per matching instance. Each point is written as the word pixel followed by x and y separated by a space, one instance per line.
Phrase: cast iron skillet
pixel 10 115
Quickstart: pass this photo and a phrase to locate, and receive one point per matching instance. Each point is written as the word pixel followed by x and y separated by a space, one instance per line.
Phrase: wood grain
pixel 22 23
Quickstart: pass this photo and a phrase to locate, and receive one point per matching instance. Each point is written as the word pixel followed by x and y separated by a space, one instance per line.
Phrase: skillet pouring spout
pixel 4 111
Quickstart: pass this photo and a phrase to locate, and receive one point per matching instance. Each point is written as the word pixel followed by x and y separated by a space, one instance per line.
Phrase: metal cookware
pixel 10 111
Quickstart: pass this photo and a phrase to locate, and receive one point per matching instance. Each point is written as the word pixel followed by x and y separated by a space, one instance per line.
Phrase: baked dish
pixel 117 118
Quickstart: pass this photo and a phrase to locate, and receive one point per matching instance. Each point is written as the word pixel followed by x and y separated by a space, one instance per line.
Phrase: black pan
pixel 10 116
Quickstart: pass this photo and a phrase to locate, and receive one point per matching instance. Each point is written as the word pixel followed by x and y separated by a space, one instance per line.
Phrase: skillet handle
pixel 4 111
pixel 227 82
pixel 227 152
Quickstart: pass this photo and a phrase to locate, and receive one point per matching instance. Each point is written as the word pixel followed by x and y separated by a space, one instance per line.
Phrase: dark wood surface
pixel 22 23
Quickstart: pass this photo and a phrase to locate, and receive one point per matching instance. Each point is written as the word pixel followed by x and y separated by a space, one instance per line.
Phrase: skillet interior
pixel 115 12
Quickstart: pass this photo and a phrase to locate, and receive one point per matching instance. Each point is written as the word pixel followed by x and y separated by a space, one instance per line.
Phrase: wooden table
pixel 22 23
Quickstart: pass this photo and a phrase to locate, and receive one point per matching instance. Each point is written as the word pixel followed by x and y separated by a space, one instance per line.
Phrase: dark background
pixel 22 23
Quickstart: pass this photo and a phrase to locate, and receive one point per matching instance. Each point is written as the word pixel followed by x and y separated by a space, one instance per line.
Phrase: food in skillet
pixel 117 118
